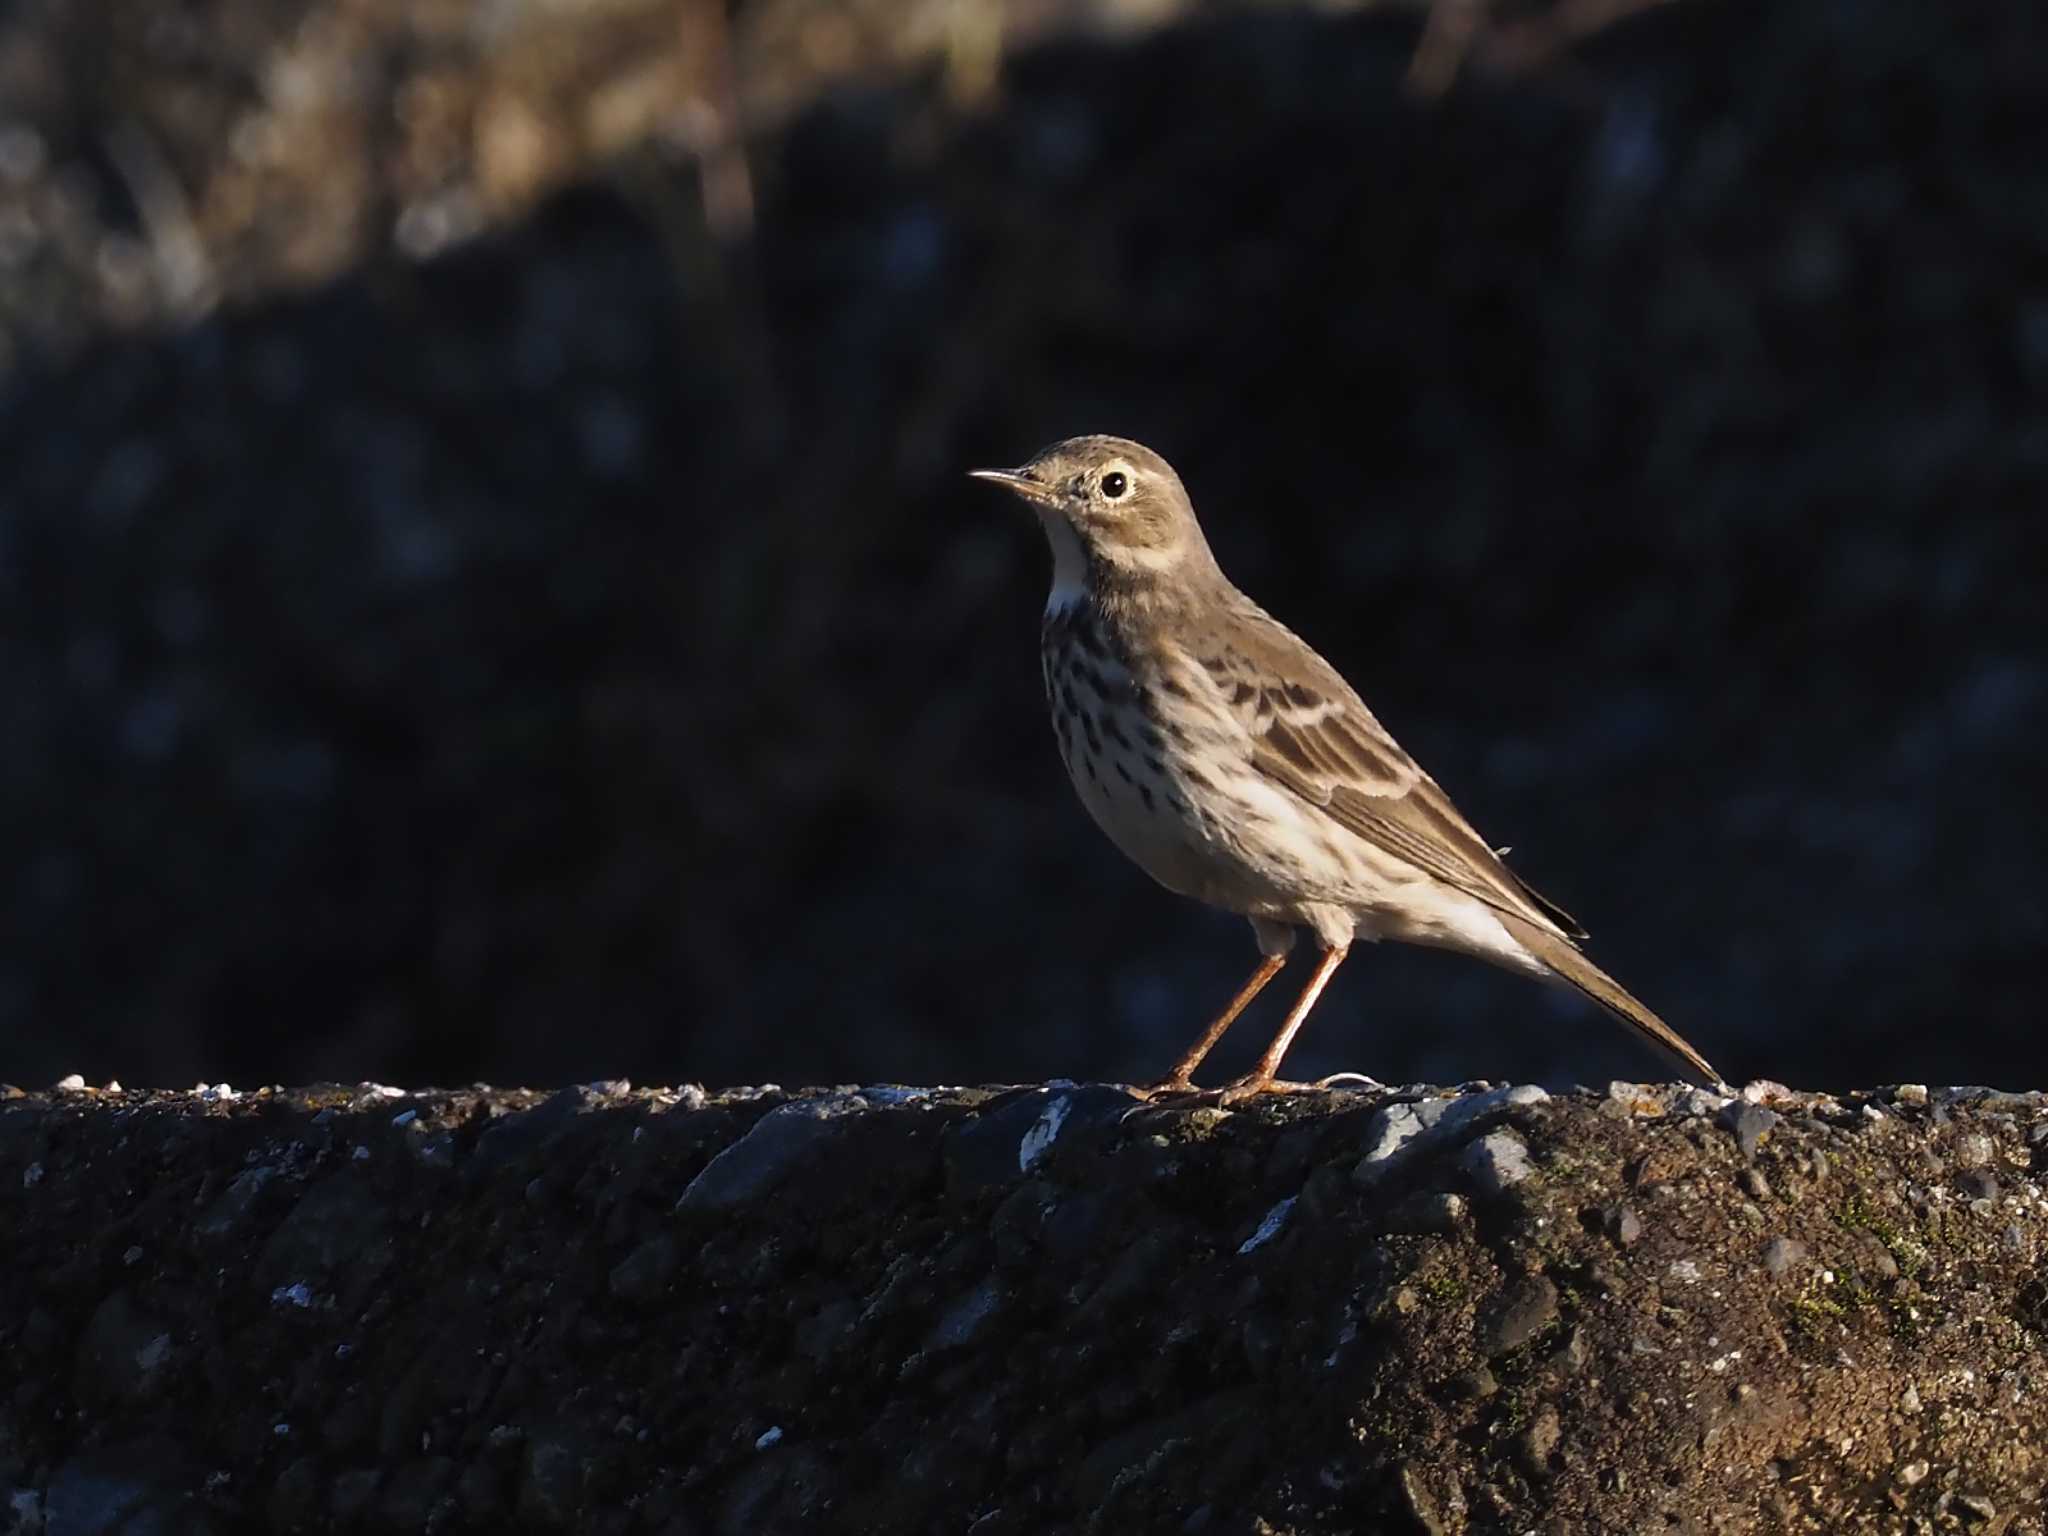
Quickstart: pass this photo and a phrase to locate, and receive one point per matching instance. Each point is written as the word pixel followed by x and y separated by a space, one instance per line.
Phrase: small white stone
pixel 1910 1093
pixel 1274 1220
pixel 360 1155
pixel 768 1437
pixel 1392 1128
pixel 1497 1161
pixel 72 1082
pixel 405 1117
pixel 1039 1139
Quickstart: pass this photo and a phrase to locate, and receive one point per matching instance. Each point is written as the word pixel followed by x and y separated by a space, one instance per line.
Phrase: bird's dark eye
pixel 1114 485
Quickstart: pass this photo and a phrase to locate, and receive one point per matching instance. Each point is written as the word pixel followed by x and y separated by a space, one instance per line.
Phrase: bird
pixel 1234 765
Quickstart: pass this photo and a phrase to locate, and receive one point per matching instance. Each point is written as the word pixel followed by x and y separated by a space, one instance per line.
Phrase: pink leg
pixel 1182 1077
pixel 1260 1079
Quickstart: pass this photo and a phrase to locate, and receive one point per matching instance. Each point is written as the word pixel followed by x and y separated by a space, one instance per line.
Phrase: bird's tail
pixel 1567 962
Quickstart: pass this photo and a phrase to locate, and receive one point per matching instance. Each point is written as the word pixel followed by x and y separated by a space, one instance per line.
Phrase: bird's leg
pixel 1261 1078
pixel 1182 1078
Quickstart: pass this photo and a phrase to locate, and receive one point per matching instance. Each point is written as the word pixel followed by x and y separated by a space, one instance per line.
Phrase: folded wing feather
pixel 1313 735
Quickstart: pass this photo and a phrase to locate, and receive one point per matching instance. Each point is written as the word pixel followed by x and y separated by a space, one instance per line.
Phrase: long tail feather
pixel 1566 961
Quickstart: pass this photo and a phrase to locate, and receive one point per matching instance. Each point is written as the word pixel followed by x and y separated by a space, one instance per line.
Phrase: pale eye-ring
pixel 1114 484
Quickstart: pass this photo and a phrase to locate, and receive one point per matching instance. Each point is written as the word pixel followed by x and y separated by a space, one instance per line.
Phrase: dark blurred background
pixel 487 588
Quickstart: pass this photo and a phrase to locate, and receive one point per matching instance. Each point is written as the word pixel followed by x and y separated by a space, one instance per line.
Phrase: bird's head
pixel 1113 509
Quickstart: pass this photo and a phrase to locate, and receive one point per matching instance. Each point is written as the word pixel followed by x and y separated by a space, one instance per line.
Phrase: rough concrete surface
pixel 1029 1309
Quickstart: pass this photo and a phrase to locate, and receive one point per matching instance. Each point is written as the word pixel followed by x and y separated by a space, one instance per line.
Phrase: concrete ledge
pixel 1022 1310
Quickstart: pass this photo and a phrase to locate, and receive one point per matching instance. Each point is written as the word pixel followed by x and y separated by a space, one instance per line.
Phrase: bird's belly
pixel 1282 857
pixel 1178 797
pixel 1181 818
pixel 1146 815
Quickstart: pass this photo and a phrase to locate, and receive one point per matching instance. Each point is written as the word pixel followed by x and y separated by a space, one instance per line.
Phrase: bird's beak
pixel 1034 491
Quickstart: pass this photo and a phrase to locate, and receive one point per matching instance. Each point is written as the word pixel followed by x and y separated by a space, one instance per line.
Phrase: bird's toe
pixel 1252 1086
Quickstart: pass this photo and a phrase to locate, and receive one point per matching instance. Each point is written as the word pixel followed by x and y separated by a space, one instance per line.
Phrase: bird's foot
pixel 1251 1086
pixel 1173 1093
pixel 1244 1089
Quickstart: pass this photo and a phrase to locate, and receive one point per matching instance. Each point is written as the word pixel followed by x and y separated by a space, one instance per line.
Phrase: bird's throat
pixel 1069 565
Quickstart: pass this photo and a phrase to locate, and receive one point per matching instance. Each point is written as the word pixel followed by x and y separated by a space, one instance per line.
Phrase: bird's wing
pixel 1313 735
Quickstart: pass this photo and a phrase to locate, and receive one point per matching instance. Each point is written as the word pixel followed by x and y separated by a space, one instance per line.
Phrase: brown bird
pixel 1234 765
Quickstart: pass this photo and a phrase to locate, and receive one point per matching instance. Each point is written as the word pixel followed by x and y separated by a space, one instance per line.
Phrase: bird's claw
pixel 1348 1080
